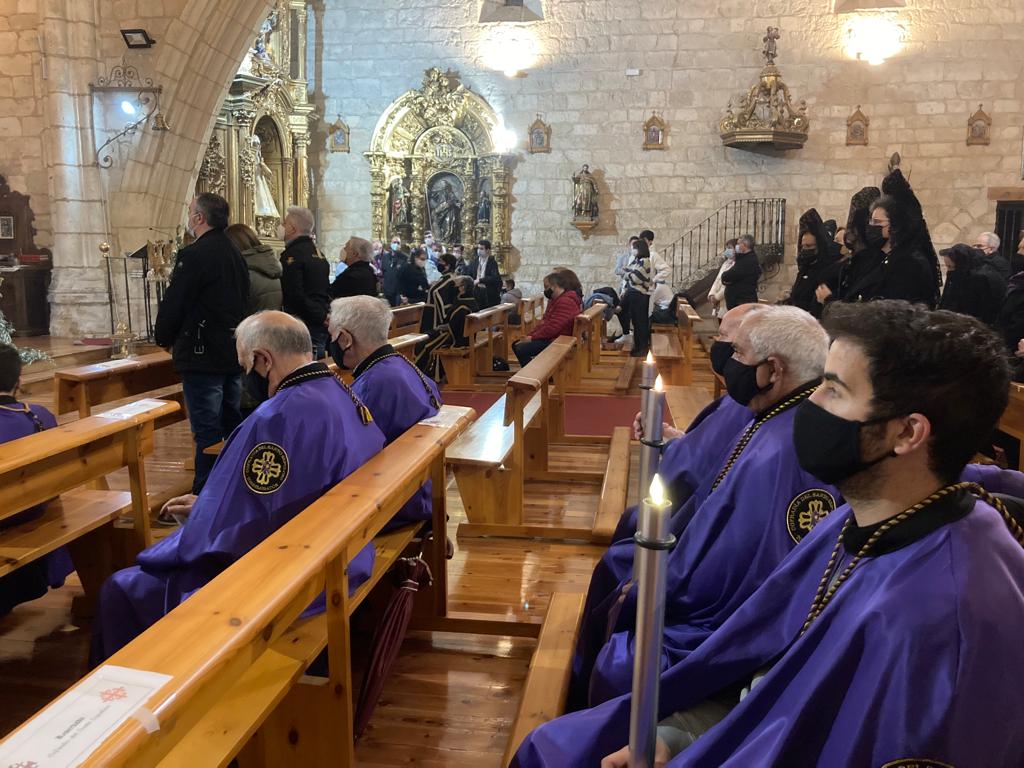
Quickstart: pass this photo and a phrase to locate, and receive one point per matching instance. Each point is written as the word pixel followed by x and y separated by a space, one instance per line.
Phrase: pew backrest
pixel 535 376
pixel 80 389
pixel 207 642
pixel 406 319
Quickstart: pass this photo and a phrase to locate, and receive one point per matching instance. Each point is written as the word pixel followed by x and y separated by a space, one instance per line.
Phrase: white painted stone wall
pixel 693 57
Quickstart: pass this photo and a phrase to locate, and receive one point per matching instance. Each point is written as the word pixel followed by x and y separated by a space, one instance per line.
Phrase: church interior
pixel 625 159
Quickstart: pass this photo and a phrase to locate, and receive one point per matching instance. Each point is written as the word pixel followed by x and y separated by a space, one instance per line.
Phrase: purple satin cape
pixel 397 398
pixel 918 656
pixel 737 537
pixel 32 580
pixel 317 425
pixel 689 467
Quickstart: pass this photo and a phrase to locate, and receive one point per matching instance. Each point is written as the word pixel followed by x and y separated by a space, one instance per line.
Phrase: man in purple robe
pixel 397 393
pixel 891 635
pixel 759 506
pixel 689 465
pixel 308 433
pixel 18 420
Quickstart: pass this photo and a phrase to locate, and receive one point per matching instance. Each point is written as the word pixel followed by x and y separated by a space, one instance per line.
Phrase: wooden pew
pixel 1012 420
pixel 487 332
pixel 406 319
pixel 671 362
pixel 547 683
pixel 236 650
pixel 57 463
pixel 526 309
pixel 83 388
pixel 684 403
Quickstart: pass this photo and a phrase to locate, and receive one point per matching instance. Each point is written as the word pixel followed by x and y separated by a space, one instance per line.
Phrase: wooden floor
pixel 451 699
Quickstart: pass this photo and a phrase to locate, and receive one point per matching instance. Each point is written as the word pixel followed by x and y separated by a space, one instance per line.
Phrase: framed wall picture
pixel 655 133
pixel 979 128
pixel 857 129
pixel 539 136
pixel 338 136
pixel 6 227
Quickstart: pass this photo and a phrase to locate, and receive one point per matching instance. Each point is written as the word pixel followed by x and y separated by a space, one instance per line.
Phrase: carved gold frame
pixel 656 123
pixel 857 118
pixel 534 147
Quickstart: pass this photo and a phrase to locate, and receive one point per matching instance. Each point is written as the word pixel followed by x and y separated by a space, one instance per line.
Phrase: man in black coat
pixel 204 302
pixel 358 279
pixel 305 277
pixel 741 281
pixel 392 263
pixel 486 276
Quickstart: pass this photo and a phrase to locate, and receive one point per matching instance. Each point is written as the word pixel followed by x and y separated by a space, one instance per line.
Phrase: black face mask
pixel 720 353
pixel 875 238
pixel 338 354
pixel 828 446
pixel 257 385
pixel 741 381
pixel 548 294
pixel 806 258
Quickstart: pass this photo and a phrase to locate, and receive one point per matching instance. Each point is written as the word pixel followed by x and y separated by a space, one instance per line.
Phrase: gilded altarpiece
pixel 434 167
pixel 257 154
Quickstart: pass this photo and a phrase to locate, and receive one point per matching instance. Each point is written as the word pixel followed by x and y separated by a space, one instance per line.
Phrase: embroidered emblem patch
pixel 265 468
pixel 916 762
pixel 806 510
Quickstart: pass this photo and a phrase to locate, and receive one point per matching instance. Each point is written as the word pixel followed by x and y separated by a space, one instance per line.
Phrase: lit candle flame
pixel 657 492
pixel 659 385
pixel 650 359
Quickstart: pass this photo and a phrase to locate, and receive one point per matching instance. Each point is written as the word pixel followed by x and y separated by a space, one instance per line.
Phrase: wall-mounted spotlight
pixel 137 38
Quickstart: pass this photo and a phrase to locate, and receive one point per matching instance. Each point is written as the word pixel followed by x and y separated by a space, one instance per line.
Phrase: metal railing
pixel 699 251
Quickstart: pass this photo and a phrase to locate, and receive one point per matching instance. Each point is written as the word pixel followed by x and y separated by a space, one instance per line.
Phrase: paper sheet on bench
pixel 446 417
pixel 117 364
pixel 74 725
pixel 132 410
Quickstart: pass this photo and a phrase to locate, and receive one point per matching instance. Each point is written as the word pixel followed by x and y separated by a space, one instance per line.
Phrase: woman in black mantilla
pixel 900 261
pixel 450 333
pixel 814 262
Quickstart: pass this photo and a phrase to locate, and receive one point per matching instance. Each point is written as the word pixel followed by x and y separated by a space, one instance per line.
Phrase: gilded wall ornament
pixel 539 135
pixel 338 136
pixel 979 128
pixel 213 172
pixel 857 129
pixel 766 114
pixel 655 132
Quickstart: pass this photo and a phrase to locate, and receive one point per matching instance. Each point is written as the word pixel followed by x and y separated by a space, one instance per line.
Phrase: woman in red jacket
pixel 563 306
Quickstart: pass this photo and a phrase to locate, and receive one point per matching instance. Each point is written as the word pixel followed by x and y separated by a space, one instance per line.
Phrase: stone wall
pixel 693 58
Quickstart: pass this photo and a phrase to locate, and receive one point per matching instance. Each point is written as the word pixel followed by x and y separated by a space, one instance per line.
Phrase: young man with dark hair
pixel 486 275
pixel 891 635
pixel 18 419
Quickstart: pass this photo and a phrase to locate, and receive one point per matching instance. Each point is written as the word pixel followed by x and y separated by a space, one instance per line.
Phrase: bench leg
pixel 298 732
pixel 491 495
pixel 459 372
pixel 536 449
pixel 93 555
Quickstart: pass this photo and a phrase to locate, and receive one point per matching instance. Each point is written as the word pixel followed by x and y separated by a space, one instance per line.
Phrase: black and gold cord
pixel 423 379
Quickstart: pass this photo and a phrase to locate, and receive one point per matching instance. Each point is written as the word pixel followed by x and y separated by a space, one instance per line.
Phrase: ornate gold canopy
pixel 766 114
pixel 434 167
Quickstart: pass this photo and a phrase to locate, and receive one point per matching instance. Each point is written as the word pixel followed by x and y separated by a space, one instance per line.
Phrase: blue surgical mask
pixel 395 247
pixel 729 253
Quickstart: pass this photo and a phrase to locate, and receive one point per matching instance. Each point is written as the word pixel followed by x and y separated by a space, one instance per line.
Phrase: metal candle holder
pixel 653 541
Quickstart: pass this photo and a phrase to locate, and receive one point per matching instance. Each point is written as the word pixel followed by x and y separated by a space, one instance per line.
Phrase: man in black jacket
pixel 305 277
pixel 741 281
pixel 358 279
pixel 203 304
pixel 392 263
pixel 486 276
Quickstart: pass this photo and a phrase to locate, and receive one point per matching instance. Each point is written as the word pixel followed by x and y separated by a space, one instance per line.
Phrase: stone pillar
pixel 301 170
pixel 247 161
pixel 78 291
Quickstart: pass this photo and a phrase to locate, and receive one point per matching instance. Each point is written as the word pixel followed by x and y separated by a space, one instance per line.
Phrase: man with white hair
pixel 358 279
pixel 760 505
pixel 397 393
pixel 988 243
pixel 308 433
pixel 305 276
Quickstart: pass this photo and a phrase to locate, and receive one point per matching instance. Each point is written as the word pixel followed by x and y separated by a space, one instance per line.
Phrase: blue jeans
pixel 213 401
pixel 319 337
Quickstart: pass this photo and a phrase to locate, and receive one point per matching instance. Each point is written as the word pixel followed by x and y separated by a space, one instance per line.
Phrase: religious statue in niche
pixel 399 204
pixel 540 136
pixel 6 227
pixel 979 128
pixel 444 202
pixel 655 131
pixel 584 200
pixel 267 214
pixel 337 133
pixel 857 129
pixel 483 207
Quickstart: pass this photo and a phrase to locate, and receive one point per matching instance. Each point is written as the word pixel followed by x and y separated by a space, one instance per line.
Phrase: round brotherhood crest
pixel 806 510
pixel 265 468
pixel 916 762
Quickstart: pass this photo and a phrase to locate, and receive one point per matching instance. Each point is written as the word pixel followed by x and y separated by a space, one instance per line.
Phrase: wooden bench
pixel 487 332
pixel 406 319
pixel 529 311
pixel 404 345
pixel 57 463
pixel 236 650
pixel 615 488
pixel 671 362
pixel 83 388
pixel 684 328
pixel 547 683
pixel 684 403
pixel 1012 420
